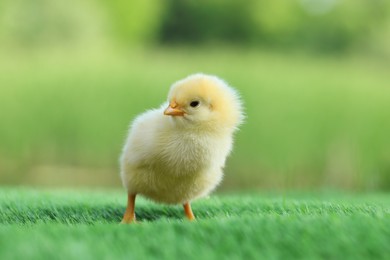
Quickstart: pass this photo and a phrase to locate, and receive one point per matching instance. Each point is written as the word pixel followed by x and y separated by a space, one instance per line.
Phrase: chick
pixel 176 153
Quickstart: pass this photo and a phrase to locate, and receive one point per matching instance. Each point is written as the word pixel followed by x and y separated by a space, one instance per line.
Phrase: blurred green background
pixel 314 76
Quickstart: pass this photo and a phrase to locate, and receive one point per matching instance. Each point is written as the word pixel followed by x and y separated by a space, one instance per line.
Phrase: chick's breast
pixel 170 165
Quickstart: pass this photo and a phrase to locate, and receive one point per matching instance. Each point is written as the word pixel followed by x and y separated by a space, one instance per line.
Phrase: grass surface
pixel 84 225
pixel 311 121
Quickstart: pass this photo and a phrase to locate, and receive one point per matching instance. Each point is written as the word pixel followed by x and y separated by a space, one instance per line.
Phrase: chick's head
pixel 204 102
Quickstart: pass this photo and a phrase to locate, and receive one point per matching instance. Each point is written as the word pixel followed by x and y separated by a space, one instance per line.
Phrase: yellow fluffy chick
pixel 176 153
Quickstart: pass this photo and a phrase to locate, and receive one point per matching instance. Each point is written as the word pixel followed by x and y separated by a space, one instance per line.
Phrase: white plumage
pixel 176 153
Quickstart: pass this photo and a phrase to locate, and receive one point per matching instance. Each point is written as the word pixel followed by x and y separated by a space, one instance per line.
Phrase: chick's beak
pixel 173 110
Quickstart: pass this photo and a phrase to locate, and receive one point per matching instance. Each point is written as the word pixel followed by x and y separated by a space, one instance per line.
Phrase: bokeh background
pixel 314 76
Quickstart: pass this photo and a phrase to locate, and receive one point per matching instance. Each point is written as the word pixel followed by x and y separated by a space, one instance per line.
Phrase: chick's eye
pixel 194 103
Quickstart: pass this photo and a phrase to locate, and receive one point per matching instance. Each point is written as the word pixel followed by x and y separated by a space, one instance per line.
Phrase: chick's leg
pixel 188 211
pixel 129 215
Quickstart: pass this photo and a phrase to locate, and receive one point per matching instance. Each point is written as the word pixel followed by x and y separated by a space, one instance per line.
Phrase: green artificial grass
pixel 84 225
